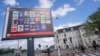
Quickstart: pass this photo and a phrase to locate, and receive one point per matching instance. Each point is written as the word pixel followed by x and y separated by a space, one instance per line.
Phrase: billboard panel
pixel 28 22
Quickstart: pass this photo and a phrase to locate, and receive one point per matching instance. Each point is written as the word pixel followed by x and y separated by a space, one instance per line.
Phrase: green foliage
pixel 24 50
pixel 11 51
pixel 93 23
pixel 6 51
pixel 1 51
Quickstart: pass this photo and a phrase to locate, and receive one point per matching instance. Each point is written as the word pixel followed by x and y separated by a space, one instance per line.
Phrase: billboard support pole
pixel 30 46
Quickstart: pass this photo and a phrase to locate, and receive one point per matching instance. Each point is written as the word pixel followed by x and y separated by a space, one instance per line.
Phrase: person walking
pixel 82 48
pixel 48 51
pixel 94 45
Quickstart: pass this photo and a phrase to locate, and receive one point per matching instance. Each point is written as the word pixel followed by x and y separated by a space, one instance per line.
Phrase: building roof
pixel 68 29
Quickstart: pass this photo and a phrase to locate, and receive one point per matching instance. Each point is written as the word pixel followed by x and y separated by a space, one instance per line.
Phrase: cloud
pixel 60 27
pixel 44 41
pixel 10 2
pixel 48 39
pixel 62 11
pixel 6 44
pixel 14 43
pixel 79 2
pixel 45 3
pixel 23 43
pixel 74 24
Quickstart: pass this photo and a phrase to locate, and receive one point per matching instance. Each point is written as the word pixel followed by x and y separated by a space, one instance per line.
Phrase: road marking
pixel 76 55
pixel 81 55
pixel 84 55
pixel 91 55
pixel 97 53
pixel 94 54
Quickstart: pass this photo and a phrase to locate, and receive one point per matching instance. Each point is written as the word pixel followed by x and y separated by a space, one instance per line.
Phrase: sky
pixel 67 12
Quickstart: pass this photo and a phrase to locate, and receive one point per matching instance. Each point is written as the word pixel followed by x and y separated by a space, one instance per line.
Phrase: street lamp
pixel 40 48
pixel 59 51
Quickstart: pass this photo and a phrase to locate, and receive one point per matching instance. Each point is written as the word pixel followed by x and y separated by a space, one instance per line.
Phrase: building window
pixel 64 35
pixel 72 29
pixel 63 30
pixel 64 40
pixel 58 46
pixel 67 46
pixel 57 36
pixel 58 40
pixel 71 39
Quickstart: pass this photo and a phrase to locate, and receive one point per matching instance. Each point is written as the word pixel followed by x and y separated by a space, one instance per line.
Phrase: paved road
pixel 91 54
pixel 81 54
pixel 10 54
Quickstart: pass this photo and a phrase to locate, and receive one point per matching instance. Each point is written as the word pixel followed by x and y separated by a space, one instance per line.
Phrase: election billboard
pixel 28 22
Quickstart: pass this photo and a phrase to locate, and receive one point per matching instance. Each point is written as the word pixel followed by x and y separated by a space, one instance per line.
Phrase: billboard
pixel 28 22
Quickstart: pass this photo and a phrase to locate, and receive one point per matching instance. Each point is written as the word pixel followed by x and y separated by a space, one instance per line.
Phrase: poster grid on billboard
pixel 28 22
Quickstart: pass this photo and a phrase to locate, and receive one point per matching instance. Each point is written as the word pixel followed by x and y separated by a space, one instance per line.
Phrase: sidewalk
pixel 89 50
pixel 68 52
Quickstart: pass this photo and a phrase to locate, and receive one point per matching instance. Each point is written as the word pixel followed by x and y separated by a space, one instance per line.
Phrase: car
pixel 45 51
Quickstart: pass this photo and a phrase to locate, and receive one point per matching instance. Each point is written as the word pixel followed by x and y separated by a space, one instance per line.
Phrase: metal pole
pixel 30 46
pixel 59 51
pixel 18 44
pixel 73 49
pixel 39 49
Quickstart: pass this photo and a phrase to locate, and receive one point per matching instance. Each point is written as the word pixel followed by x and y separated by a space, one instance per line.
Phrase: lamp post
pixel 40 48
pixel 18 44
pixel 59 51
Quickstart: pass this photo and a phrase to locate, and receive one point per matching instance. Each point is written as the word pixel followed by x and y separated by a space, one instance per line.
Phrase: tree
pixel 1 51
pixel 92 25
pixel 24 50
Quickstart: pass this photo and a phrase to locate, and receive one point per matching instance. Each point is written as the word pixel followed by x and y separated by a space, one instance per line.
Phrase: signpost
pixel 28 23
pixel 30 46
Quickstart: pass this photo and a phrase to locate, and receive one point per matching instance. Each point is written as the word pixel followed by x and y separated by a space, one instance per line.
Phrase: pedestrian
pixel 67 46
pixel 48 51
pixel 82 48
pixel 94 45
